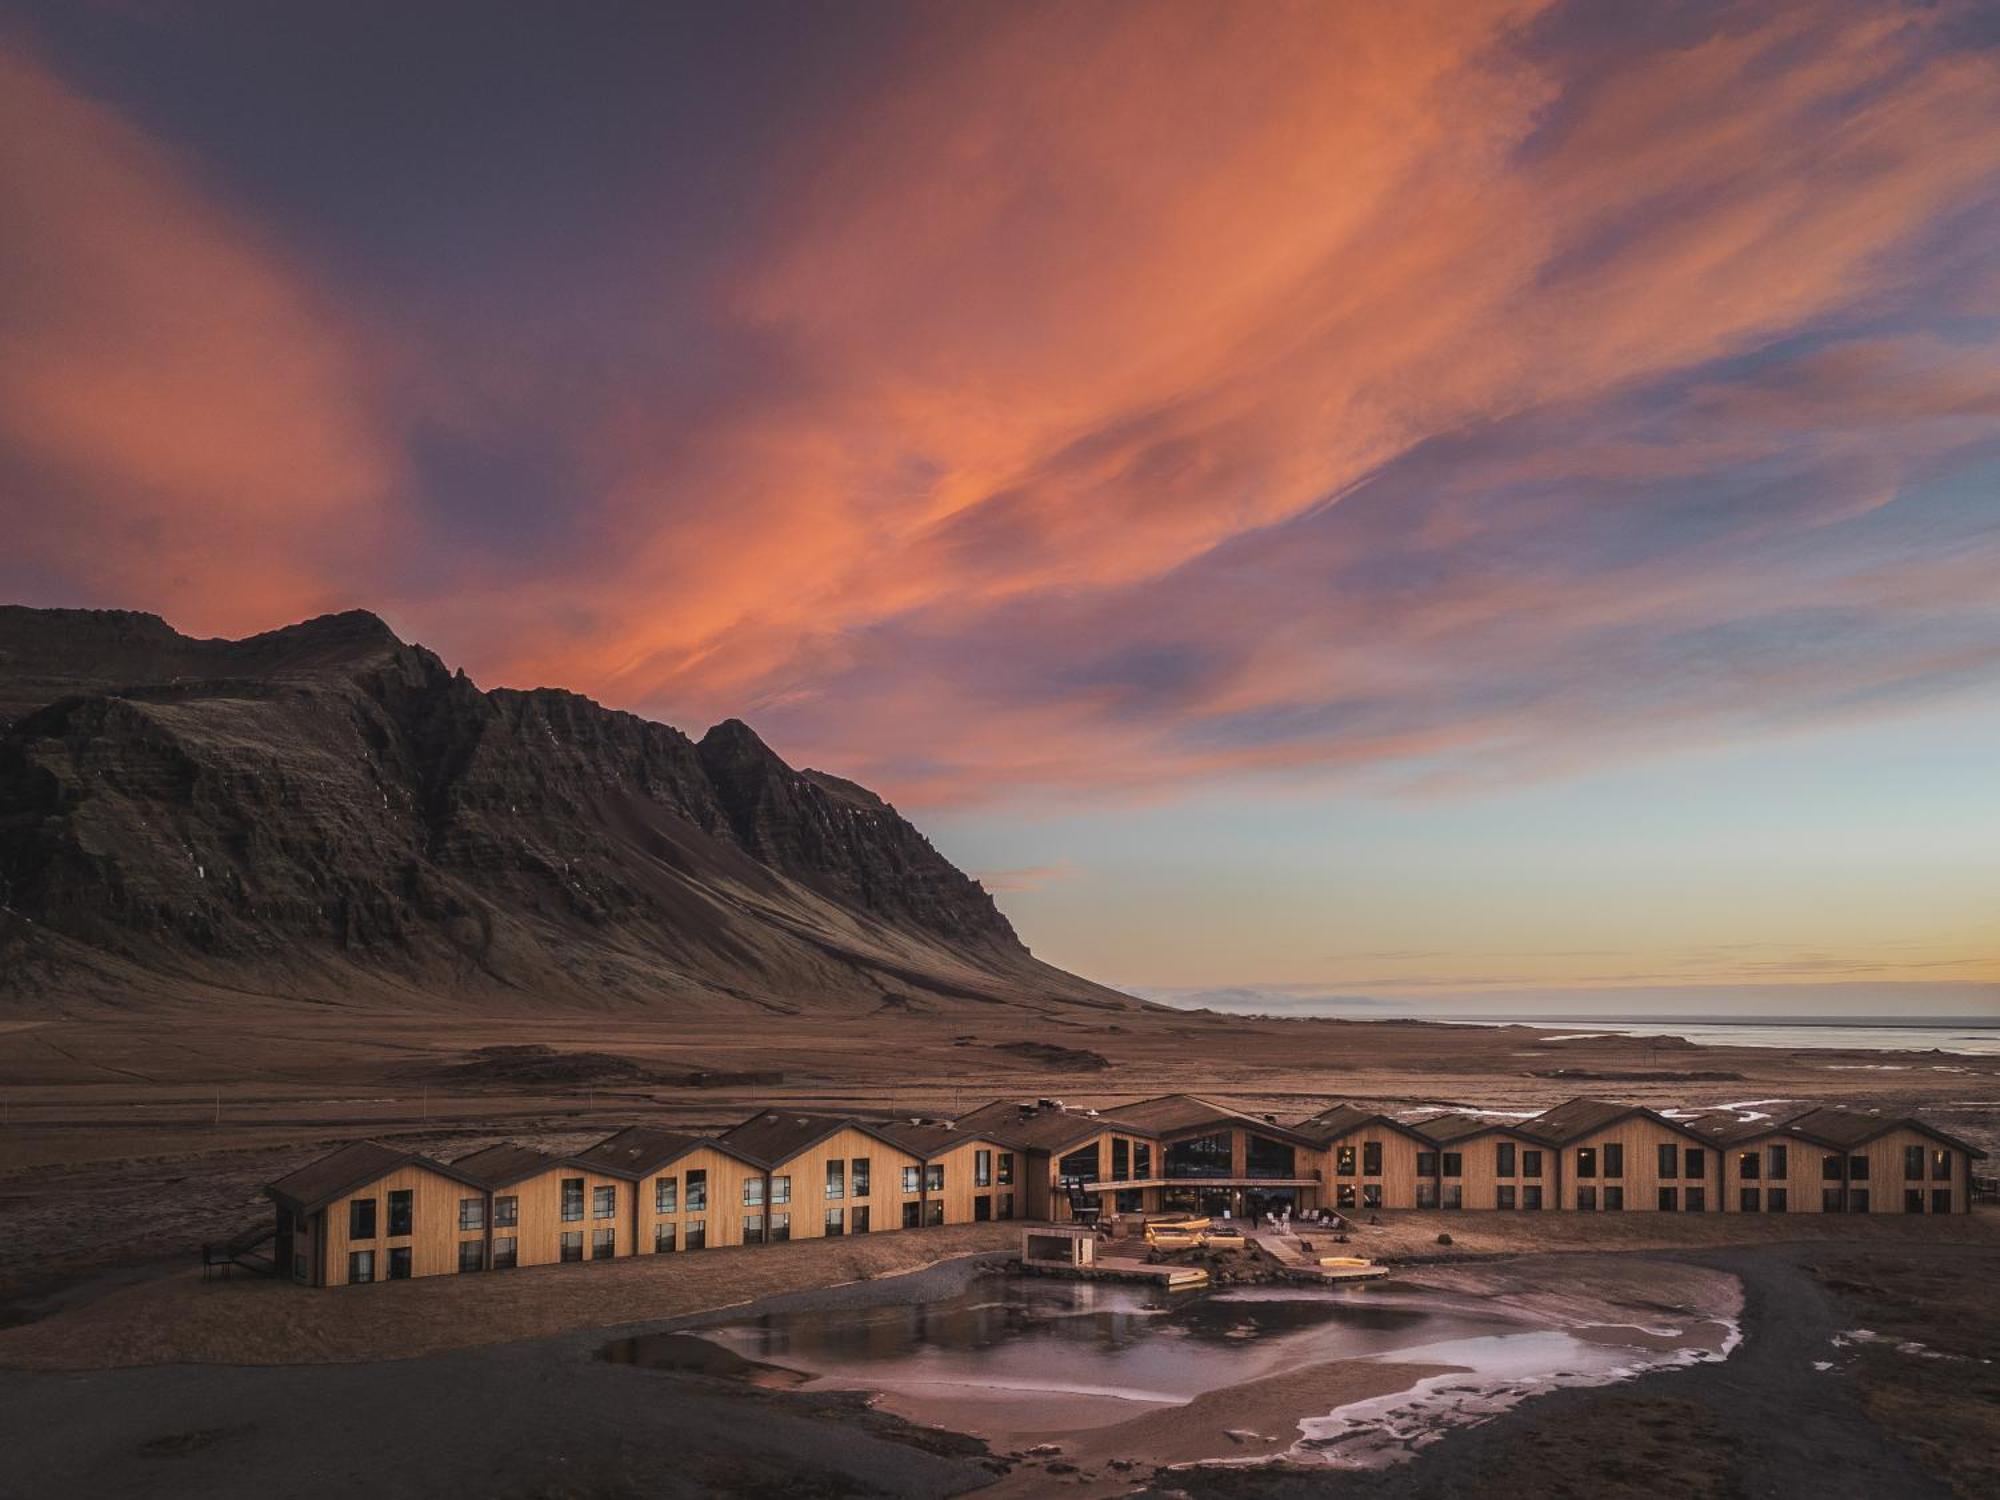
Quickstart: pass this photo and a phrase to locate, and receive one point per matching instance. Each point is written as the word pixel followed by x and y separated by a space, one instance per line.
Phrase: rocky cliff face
pixel 326 810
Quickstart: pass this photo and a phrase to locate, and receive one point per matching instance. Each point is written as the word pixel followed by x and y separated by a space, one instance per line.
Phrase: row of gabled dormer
pixel 371 1212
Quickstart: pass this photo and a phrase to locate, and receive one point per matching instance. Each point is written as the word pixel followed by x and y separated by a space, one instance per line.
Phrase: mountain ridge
pixel 326 811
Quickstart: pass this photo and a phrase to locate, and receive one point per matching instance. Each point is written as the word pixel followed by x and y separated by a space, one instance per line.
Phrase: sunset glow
pixel 1443 499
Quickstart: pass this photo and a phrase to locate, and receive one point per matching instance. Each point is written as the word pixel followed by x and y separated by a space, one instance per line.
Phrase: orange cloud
pixel 185 425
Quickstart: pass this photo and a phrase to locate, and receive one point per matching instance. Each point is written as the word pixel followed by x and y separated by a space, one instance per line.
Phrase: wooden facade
pixel 368 1212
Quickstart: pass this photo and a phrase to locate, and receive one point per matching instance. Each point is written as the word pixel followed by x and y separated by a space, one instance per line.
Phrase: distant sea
pixel 1974 1038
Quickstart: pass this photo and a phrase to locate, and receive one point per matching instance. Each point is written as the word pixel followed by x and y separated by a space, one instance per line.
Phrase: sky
pixel 1481 504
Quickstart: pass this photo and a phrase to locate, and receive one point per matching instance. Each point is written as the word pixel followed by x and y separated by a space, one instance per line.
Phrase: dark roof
pixel 778 1135
pixel 1830 1125
pixel 1579 1117
pixel 1449 1129
pixel 338 1173
pixel 1172 1113
pixel 504 1164
pixel 929 1138
pixel 1031 1128
pixel 637 1150
pixel 1344 1119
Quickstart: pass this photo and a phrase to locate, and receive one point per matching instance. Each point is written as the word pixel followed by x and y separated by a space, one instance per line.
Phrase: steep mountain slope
pixel 327 812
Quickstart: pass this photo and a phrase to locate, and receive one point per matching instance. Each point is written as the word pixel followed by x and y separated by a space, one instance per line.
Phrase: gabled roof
pixel 1330 1124
pixel 340 1172
pixel 1031 1128
pixel 1830 1125
pixel 928 1138
pixel 1582 1116
pixel 1449 1130
pixel 1172 1114
pixel 505 1164
pixel 777 1135
pixel 638 1150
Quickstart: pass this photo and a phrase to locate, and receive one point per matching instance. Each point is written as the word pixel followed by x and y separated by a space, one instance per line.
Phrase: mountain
pixel 327 812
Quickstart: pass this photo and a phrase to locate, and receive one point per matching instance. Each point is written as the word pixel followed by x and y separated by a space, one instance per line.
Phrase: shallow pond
pixel 1020 1359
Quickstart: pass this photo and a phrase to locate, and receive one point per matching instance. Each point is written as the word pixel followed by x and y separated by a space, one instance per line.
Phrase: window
pixel 506 1252
pixel 1454 1195
pixel 1268 1158
pixel 934 1177
pixel 1774 1200
pixel 1371 1158
pixel 399 1262
pixel 1454 1164
pixel 781 1190
pixel 1142 1162
pixel 663 1239
pixel 1202 1156
pixel 506 1212
pixel 1427 1163
pixel 1775 1164
pixel 1586 1161
pixel 1121 1160
pixel 1829 1168
pixel 1747 1200
pixel 572 1200
pixel 1694 1200
pixel 859 1177
pixel 1531 1163
pixel 1614 1199
pixel 836 1181
pixel 1079 1166
pixel 402 1210
pixel 603 1244
pixel 753 1192
pixel 1940 1165
pixel 1005 1210
pixel 934 1212
pixel 1913 1199
pixel 982 1208
pixel 1747 1165
pixel 1857 1200
pixel 1006 1173
pixel 1427 1193
pixel 1832 1200
pixel 1586 1197
pixel 1913 1162
pixel 361 1219
pixel 982 1168
pixel 1371 1195
pixel 913 1215
pixel 1669 1160
pixel 1940 1200
pixel 360 1264
pixel 1670 1198
pixel 1343 1195
pixel 572 1245
pixel 696 1236
pixel 857 1221
pixel 753 1229
pixel 836 1223
pixel 1697 1163
pixel 471 1256
pixel 471 1213
pixel 697 1194
pixel 1504 1196
pixel 1503 1159
pixel 1343 1161
pixel 1531 1195
pixel 913 1179
pixel 1614 1160
pixel 781 1227
pixel 1857 1168
pixel 666 1195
